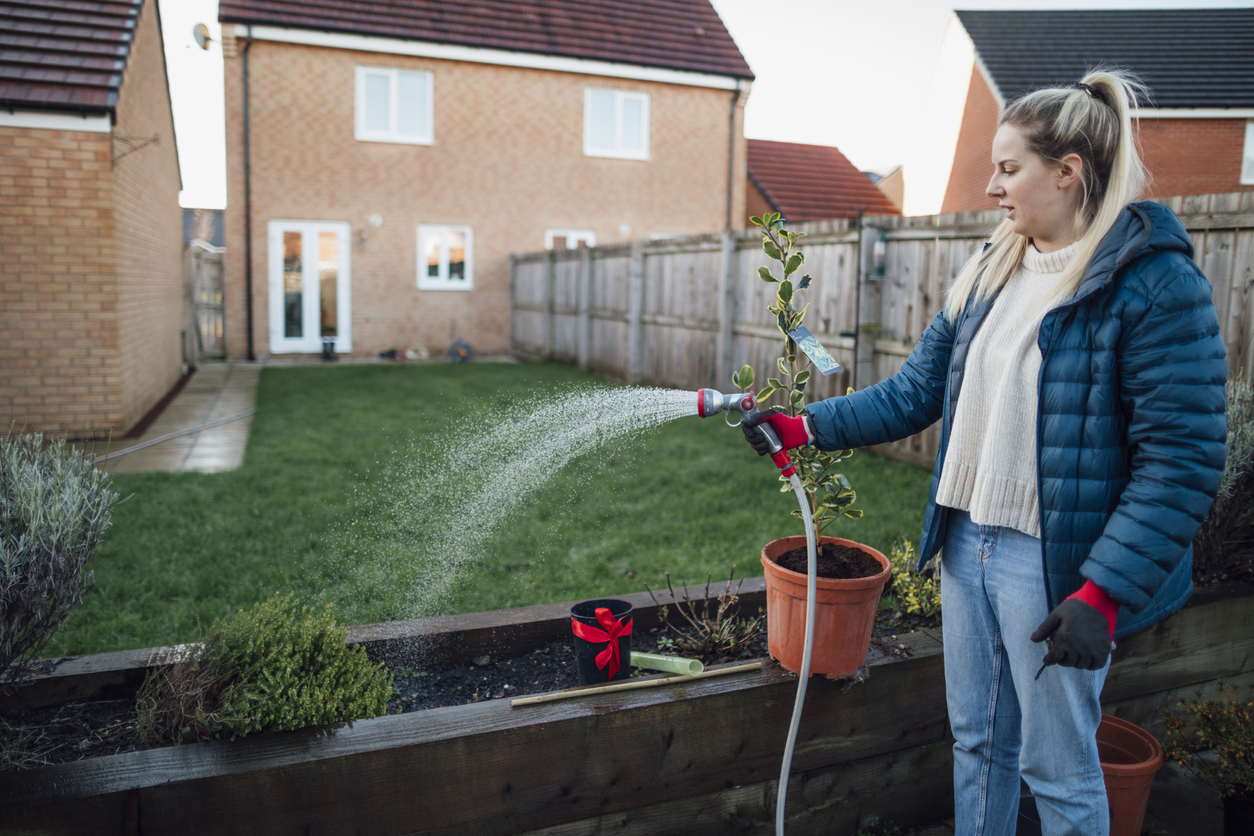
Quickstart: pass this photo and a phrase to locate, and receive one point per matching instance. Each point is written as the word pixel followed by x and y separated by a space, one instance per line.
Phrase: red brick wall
pixel 756 203
pixel 58 329
pixel 972 165
pixel 149 230
pixel 1193 156
pixel 507 160
pixel 90 269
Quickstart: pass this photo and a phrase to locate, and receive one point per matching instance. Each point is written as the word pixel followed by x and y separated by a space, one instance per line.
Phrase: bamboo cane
pixel 630 685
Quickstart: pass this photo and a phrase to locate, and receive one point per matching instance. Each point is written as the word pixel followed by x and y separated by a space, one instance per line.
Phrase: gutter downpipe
pixel 857 301
pixel 731 152
pixel 248 208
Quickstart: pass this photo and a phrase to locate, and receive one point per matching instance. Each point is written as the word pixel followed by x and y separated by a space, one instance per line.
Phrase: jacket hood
pixel 1141 228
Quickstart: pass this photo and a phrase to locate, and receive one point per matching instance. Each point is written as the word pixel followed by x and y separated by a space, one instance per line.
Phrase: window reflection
pixel 328 280
pixel 456 255
pixel 431 247
pixel 293 286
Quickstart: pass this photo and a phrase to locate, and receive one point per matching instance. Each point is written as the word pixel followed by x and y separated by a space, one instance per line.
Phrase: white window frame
pixel 443 282
pixel 312 341
pixel 573 238
pixel 1247 157
pixel 363 134
pixel 617 152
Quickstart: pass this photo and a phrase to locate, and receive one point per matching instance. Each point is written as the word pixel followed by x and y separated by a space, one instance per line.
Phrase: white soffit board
pixel 1194 113
pixel 477 55
pixel 55 121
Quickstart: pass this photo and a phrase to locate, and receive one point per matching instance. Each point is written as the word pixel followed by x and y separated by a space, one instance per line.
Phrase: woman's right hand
pixel 792 432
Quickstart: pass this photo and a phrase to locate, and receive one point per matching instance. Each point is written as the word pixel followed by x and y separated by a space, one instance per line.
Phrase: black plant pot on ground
pixel 1239 814
pixel 602 629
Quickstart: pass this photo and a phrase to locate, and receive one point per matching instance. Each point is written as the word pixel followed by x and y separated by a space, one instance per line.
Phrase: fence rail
pixel 687 312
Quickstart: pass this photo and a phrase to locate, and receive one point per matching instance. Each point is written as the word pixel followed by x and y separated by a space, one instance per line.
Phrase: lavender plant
pixel 54 510
pixel 829 493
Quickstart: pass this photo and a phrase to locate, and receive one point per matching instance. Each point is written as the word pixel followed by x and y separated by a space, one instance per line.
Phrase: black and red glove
pixel 792 432
pixel 1083 626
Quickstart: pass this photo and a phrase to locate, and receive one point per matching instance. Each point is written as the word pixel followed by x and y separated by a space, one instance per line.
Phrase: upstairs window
pixel 1247 159
pixel 569 239
pixel 615 124
pixel 394 106
pixel 444 258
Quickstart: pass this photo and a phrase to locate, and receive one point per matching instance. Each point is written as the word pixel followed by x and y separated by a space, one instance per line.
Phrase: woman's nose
pixel 994 190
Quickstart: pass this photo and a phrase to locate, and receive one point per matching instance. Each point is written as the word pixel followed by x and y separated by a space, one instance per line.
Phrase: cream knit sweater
pixel 990 464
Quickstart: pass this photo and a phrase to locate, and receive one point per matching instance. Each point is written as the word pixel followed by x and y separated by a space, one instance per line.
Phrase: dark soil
pixel 36 737
pixel 833 561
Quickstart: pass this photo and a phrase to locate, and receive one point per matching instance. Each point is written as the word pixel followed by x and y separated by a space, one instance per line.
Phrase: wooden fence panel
pixel 661 320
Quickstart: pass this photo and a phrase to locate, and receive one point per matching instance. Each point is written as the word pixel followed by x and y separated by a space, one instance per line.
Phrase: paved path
pixel 216 390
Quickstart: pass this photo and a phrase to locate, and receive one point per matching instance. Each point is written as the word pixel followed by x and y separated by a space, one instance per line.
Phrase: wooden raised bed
pixel 692 758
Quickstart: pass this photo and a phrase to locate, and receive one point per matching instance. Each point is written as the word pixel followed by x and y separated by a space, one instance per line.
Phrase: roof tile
pixel 813 182
pixel 673 34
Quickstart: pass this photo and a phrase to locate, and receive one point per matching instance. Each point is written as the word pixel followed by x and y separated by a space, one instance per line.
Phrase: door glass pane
pixel 633 125
pixel 411 116
pixel 601 107
pixel 559 242
pixel 328 280
pixel 293 286
pixel 456 255
pixel 378 103
pixel 431 248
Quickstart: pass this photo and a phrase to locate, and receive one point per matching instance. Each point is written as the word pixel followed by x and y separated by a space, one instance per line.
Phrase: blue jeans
pixel 1004 723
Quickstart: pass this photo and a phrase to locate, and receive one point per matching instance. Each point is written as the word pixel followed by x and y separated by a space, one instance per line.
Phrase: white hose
pixel 811 572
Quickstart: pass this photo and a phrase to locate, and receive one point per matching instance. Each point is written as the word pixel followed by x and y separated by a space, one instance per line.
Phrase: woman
pixel 1078 373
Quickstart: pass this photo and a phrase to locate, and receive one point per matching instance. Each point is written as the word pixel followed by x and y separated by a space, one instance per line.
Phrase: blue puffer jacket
pixel 1130 435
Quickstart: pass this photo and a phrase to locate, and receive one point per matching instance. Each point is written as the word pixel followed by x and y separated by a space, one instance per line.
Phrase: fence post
pixel 725 347
pixel 550 301
pixel 635 310
pixel 868 309
pixel 513 303
pixel 585 309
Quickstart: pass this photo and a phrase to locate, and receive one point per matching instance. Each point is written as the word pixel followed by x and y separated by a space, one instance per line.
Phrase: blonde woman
pixel 1078 373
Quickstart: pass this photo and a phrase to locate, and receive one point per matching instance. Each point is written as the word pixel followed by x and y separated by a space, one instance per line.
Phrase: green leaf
pixel 755 220
pixel 744 378
pixel 804 283
pixel 783 322
pixel 795 397
pixel 854 514
pixel 774 381
pixel 782 364
pixel 785 292
pixel 794 264
pixel 802 377
pixel 766 393
pixel 771 250
pixel 799 386
pixel 764 273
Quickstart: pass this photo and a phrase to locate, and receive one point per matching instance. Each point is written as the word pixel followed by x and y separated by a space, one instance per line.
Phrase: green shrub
pixel 916 593
pixel 54 510
pixel 1224 545
pixel 1219 746
pixel 276 667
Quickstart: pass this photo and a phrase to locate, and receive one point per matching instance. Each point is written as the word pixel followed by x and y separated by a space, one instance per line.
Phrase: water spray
pixel 741 408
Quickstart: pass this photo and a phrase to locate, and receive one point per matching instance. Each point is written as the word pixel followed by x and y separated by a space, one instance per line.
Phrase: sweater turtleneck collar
pixel 1055 262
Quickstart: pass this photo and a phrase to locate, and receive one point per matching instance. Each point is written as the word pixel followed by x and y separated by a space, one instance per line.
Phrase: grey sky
pixel 849 73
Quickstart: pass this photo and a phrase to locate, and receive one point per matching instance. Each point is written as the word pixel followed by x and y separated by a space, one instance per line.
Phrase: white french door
pixel 310 286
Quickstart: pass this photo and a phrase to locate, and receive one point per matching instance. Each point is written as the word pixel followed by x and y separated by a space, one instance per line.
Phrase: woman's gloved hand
pixel 792 432
pixel 1083 627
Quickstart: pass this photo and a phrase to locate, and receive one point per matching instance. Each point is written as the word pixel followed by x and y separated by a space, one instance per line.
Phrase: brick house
pixel 386 161
pixel 90 226
pixel 808 183
pixel 1196 134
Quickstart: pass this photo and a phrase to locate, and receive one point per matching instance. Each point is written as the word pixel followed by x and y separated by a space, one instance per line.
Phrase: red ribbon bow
pixel 613 629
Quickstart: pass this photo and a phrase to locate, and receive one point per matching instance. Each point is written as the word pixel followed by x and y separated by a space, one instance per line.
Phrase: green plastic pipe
pixel 671 664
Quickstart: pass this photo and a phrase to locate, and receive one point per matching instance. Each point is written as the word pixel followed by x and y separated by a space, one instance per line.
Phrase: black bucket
pixel 587 649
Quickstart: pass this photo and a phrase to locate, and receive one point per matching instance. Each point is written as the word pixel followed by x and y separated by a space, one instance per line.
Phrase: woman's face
pixel 1040 198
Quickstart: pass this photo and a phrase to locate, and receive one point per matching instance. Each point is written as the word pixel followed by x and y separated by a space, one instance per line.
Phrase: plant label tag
pixel 818 355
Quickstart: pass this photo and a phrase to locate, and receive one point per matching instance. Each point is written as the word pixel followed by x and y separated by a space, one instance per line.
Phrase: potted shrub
pixel 1219 749
pixel 846 600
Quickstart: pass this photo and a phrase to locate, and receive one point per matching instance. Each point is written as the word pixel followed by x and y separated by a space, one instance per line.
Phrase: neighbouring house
pixel 384 160
pixel 91 272
pixel 1196 133
pixel 808 183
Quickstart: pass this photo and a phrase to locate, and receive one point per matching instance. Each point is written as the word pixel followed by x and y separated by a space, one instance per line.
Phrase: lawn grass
pixel 319 507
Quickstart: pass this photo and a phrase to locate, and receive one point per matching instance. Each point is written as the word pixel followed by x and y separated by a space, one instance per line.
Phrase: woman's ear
pixel 1069 169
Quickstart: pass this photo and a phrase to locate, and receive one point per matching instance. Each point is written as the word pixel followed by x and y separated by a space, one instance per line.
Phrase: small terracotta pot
pixel 1130 756
pixel 844 612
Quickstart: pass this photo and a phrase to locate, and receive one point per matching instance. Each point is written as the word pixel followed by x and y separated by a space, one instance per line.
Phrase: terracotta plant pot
pixel 843 618
pixel 1130 756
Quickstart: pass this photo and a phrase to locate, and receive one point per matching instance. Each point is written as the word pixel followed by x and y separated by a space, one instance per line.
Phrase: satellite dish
pixel 201 33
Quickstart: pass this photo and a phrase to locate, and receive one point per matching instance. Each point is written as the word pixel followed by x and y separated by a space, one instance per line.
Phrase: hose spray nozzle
pixel 744 408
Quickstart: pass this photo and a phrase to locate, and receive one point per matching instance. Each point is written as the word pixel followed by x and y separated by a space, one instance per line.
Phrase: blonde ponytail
pixel 1094 120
